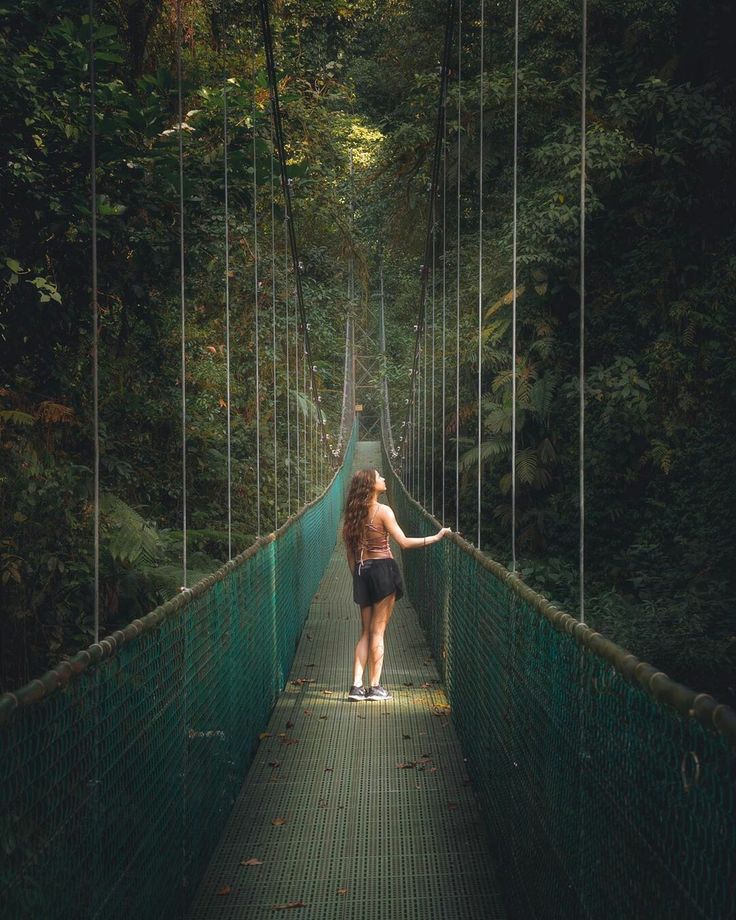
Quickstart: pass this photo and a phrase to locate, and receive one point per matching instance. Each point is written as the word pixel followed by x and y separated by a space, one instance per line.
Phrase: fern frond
pixel 542 395
pixel 504 301
pixel 497 418
pixel 527 462
pixel 305 405
pixel 494 447
pixel 52 412
pixel 16 416
pixel 132 538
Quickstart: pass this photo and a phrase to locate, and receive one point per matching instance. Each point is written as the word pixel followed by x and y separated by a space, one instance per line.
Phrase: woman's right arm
pixel 392 526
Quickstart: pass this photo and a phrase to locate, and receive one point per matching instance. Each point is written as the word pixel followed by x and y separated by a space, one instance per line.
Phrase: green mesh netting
pixel 115 789
pixel 599 800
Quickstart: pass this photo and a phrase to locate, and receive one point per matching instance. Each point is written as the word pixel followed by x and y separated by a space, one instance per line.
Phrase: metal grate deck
pixel 362 838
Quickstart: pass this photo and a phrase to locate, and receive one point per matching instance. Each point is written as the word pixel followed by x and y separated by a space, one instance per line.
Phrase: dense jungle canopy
pixel 359 87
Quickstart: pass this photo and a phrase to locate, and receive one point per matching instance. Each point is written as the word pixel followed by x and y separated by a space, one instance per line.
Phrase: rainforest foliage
pixel 359 89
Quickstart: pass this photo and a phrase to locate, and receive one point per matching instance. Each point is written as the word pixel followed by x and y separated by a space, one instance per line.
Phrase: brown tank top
pixel 375 541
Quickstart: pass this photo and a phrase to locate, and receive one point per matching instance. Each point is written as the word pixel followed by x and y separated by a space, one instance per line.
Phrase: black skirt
pixel 375 579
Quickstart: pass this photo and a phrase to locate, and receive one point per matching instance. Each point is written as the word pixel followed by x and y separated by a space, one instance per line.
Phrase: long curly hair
pixel 356 509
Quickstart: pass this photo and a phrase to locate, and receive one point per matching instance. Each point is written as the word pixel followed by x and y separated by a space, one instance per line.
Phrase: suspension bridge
pixel 204 761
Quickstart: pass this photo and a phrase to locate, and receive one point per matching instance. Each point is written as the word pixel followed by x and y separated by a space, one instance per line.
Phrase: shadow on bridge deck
pixel 354 810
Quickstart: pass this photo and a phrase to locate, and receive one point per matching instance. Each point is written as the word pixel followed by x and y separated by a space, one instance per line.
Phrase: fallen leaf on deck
pixel 251 862
pixel 297 682
pixel 322 803
pixel 309 637
pixel 328 692
pixel 342 890
pixel 224 891
pixel 453 805
pixel 307 712
pixel 361 717
pixel 409 684
pixel 285 740
pixel 274 763
pixel 289 724
pixel 310 665
pixel 278 822
pixel 409 765
pixel 264 735
pixel 328 769
pixel 322 718
pixel 426 686
pixel 288 906
pixel 406 737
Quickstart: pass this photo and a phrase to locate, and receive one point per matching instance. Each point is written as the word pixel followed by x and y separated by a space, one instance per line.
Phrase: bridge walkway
pixel 360 811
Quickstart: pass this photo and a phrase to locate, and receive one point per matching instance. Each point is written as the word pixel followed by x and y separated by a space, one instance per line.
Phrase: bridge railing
pixel 119 767
pixel 608 790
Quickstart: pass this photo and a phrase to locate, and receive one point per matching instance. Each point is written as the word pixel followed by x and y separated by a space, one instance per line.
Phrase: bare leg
pixel 378 623
pixel 361 649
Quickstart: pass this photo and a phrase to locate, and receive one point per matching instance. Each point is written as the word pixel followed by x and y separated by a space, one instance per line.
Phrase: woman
pixel 376 578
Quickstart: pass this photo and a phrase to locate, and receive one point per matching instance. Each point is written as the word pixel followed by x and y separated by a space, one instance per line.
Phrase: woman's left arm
pixel 392 526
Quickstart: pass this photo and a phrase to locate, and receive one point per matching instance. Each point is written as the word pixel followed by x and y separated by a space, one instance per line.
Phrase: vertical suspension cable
pixel 433 387
pixel 307 427
pixel 322 445
pixel 425 426
pixel 385 417
pixel 288 370
pixel 480 263
pixel 184 707
pixel 281 148
pixel 94 783
pixel 227 324
pixel 419 426
pixel 307 430
pixel 457 268
pixel 256 286
pixel 433 185
pixel 95 315
pixel 513 286
pixel 182 299
pixel 416 427
pixel 317 445
pixel 408 443
pixel 298 408
pixel 310 431
pixel 583 176
pixel 273 347
pixel 444 302
pixel 412 479
pixel 315 467
pixel 317 450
